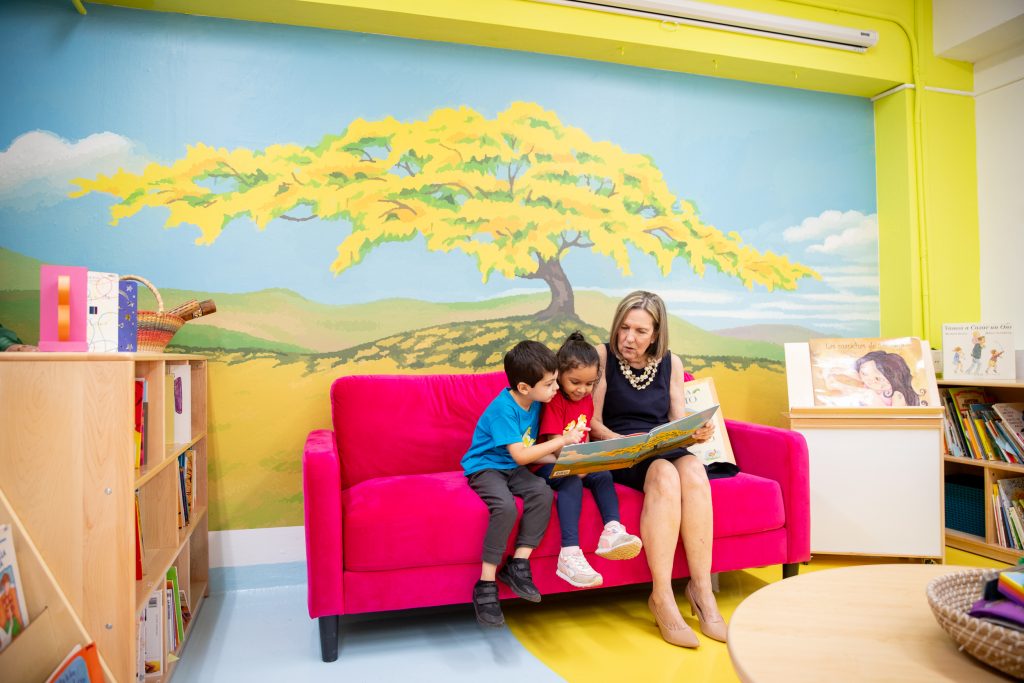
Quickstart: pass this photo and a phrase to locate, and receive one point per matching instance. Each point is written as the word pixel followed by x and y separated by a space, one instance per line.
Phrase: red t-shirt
pixel 562 412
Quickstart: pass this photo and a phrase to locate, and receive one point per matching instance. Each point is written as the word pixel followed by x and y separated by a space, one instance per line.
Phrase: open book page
pixel 614 454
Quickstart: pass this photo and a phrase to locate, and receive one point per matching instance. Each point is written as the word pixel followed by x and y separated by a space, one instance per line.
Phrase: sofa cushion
pixel 422 520
pixel 407 424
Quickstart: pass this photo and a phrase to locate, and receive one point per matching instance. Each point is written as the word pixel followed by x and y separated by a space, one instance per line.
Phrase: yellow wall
pixel 925 141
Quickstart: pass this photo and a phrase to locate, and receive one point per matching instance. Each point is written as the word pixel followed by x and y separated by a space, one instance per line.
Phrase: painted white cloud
pixel 850 234
pixel 37 168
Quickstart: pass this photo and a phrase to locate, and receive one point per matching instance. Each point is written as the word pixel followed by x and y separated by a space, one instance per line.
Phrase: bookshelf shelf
pixel 67 465
pixel 988 472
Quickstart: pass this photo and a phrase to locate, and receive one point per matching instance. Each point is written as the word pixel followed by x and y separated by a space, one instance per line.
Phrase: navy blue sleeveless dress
pixel 628 411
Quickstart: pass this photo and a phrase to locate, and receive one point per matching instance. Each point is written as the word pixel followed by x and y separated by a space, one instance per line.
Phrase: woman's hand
pixel 706 431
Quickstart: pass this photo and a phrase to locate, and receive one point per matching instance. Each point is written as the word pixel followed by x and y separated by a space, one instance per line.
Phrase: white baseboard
pixel 242 547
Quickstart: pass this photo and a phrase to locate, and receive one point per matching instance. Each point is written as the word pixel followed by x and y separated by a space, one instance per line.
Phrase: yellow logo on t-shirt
pixel 527 439
pixel 581 421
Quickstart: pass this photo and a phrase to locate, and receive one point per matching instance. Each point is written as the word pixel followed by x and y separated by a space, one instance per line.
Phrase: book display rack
pixel 986 473
pixel 68 473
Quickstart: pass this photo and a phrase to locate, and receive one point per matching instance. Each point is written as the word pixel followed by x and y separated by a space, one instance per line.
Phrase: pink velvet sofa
pixel 391 523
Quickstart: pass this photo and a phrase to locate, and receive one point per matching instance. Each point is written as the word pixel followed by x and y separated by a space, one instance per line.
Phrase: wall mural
pixel 469 198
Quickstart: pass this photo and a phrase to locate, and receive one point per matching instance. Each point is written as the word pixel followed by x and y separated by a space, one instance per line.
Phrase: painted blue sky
pixel 789 170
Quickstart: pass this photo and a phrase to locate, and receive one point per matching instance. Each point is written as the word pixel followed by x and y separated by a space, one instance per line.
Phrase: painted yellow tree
pixel 515 192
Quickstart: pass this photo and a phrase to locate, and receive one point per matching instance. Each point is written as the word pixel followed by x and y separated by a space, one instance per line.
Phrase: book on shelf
pixel 626 451
pixel 183 504
pixel 190 473
pixel 700 394
pixel 82 665
pixel 140 392
pixel 186 611
pixel 139 550
pixel 172 586
pixel 978 351
pixel 1012 415
pixel 962 398
pixel 182 402
pixel 1011 584
pixel 128 316
pixel 169 407
pixel 170 629
pixel 1011 506
pixel 101 313
pixel 13 611
pixel 153 636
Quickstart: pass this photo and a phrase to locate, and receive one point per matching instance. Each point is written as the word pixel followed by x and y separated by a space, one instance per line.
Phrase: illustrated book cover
pixel 876 373
pixel 978 350
pixel 101 316
pixel 700 394
pixel 614 454
pixel 128 315
pixel 82 665
pixel 13 611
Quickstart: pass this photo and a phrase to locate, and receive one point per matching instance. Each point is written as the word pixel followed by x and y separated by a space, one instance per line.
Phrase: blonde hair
pixel 652 304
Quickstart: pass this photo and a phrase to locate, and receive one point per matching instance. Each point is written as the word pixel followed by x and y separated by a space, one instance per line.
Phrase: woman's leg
pixel 697 530
pixel 659 530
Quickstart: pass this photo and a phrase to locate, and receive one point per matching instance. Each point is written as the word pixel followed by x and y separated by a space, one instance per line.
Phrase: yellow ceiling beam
pixel 571 32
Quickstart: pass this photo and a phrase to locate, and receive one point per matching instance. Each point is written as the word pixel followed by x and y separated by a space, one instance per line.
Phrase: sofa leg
pixel 329 638
pixel 790 570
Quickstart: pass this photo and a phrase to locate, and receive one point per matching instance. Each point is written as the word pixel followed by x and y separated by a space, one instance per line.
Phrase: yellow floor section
pixel 610 635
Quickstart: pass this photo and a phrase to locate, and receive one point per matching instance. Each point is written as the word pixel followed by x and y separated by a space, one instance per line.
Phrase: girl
pixel 573 406
pixel 888 375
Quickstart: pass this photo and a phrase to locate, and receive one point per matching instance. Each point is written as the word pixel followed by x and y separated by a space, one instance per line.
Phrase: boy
pixel 503 443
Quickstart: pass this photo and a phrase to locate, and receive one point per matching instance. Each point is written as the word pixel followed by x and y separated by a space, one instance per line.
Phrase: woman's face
pixel 635 335
pixel 873 379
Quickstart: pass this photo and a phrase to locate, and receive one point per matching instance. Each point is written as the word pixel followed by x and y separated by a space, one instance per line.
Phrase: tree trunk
pixel 563 304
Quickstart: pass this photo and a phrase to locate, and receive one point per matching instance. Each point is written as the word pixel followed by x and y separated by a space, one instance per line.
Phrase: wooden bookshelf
pixel 67 460
pixel 990 471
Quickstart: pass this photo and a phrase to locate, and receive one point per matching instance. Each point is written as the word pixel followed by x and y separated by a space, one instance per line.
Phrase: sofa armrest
pixel 321 492
pixel 781 455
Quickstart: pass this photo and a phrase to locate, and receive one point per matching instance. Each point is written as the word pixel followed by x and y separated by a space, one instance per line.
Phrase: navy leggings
pixel 570 500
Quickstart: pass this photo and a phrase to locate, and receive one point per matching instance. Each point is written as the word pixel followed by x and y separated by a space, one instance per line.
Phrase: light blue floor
pixel 265 634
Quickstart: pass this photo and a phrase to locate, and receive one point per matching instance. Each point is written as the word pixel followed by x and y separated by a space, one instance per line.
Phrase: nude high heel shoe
pixel 716 629
pixel 680 636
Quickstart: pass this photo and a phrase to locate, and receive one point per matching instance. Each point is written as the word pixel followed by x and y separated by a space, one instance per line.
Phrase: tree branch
pixel 452 149
pixel 298 219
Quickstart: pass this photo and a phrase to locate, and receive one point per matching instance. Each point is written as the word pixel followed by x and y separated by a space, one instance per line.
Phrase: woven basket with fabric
pixel 155 327
pixel 951 597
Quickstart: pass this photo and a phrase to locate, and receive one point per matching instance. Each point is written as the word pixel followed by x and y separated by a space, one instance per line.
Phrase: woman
pixel 642 387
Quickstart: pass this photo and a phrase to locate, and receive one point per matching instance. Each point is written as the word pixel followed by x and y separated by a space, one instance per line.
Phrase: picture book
pixel 1011 584
pixel 612 454
pixel 700 394
pixel 182 403
pixel 872 373
pixel 82 665
pixel 978 350
pixel 169 407
pixel 101 315
pixel 154 636
pixel 962 399
pixel 1012 415
pixel 172 586
pixel 140 390
pixel 13 611
pixel 139 551
pixel 128 315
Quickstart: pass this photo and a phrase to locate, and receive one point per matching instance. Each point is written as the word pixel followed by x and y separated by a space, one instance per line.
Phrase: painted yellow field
pixel 261 412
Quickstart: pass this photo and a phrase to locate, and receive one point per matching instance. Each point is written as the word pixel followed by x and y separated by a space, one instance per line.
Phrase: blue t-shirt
pixel 503 423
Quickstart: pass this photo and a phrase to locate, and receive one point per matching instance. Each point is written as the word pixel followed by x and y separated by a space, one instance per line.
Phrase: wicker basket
pixel 951 597
pixel 155 327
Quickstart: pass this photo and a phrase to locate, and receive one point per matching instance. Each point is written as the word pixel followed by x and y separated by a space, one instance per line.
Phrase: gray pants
pixel 497 488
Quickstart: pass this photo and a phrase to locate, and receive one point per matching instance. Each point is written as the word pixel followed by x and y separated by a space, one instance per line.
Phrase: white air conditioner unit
pixel 707 15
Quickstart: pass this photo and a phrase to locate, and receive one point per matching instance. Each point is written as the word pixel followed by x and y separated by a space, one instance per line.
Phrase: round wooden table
pixel 868 623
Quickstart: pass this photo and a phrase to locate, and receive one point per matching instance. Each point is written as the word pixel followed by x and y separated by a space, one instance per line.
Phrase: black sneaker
pixel 486 605
pixel 516 575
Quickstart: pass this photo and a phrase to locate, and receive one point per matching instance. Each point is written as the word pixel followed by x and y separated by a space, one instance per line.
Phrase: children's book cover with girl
pixel 879 373
pixel 978 350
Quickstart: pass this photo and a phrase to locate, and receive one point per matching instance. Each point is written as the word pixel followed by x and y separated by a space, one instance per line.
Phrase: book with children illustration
pixel 613 454
pixel 878 373
pixel 700 394
pixel 13 613
pixel 978 351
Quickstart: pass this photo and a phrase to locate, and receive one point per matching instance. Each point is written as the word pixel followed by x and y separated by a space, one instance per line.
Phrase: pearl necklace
pixel 645 378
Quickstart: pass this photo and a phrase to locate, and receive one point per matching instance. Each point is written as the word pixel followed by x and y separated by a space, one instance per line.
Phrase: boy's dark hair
pixel 529 361
pixel 577 352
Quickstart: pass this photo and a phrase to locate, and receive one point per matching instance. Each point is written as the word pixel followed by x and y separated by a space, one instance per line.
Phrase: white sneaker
pixel 574 568
pixel 618 544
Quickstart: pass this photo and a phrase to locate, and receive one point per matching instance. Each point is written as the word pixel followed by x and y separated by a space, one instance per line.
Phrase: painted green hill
pixel 283 321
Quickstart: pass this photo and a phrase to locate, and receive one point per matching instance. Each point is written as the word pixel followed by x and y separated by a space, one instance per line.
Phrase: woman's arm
pixel 677 400
pixel 598 432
